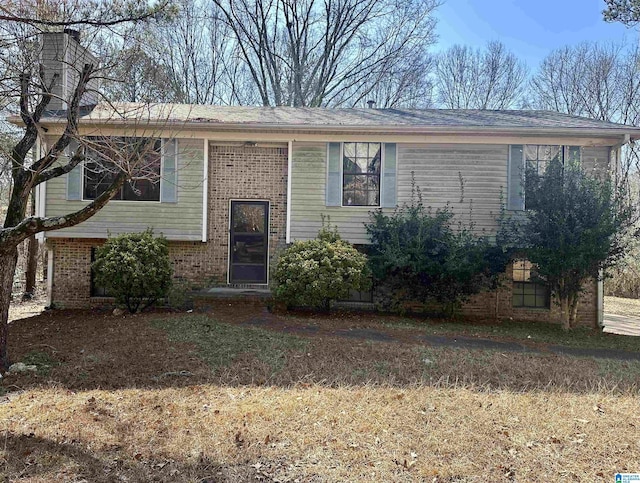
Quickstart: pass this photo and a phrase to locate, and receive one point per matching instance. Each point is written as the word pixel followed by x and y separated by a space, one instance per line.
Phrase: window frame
pixel 163 143
pixel 96 291
pixel 537 286
pixel 380 175
pixel 564 150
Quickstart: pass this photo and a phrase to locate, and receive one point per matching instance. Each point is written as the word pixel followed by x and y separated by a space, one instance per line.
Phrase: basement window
pixel 96 290
pixel 528 292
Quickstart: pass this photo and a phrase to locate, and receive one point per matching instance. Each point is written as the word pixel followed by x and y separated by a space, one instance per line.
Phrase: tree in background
pixel 313 53
pixel 25 88
pixel 601 81
pixel 492 78
pixel 626 12
pixel 189 57
pixel 577 227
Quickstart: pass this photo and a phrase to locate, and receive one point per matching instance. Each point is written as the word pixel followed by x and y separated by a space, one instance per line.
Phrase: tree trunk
pixel 573 314
pixel 565 313
pixel 8 262
pixel 32 258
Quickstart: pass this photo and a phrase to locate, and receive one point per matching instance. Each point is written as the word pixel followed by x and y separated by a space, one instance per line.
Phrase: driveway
pixel 622 324
pixel 622 316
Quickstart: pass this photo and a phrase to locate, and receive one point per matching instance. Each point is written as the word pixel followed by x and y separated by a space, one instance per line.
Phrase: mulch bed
pixel 96 349
pixel 99 350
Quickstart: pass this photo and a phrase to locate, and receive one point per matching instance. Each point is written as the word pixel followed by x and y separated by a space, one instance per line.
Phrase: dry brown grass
pixel 317 407
pixel 317 434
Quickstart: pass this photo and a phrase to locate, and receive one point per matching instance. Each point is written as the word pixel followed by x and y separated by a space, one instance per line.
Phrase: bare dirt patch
pixel 96 349
pixel 21 310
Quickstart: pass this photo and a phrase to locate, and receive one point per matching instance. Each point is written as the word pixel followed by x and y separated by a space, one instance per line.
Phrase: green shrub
pixel 315 272
pixel 178 297
pixel 579 225
pixel 416 255
pixel 135 269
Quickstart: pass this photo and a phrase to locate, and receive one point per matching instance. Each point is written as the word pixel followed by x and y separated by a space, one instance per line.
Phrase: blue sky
pixel 529 28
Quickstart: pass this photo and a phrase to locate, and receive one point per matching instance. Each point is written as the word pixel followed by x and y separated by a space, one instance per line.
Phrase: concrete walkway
pixel 622 324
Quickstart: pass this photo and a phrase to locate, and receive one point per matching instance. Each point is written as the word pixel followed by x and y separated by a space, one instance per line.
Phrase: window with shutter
pixel 361 174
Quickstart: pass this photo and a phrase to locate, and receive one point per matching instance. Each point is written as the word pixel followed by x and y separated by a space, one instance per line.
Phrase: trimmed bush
pixel 135 269
pixel 313 273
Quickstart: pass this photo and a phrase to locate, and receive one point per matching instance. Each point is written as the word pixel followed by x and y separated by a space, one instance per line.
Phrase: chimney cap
pixel 371 103
pixel 74 34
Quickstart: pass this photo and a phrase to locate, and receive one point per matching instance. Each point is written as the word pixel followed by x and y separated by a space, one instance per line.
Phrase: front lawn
pixel 531 332
pixel 237 394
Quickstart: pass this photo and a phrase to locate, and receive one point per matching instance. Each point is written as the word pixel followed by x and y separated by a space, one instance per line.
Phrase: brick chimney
pixel 62 54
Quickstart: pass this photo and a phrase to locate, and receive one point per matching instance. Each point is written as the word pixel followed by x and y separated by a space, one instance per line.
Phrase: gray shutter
pixel 515 195
pixel 334 178
pixel 74 177
pixel 388 195
pixel 169 182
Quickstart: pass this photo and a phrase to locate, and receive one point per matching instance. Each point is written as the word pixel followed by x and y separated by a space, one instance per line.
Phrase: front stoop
pixel 234 291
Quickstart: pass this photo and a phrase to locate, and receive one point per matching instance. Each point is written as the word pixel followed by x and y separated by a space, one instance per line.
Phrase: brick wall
pixel 498 304
pixel 72 271
pixel 235 172
pixel 246 173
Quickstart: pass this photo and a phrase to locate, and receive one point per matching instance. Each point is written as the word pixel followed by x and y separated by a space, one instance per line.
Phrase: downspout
pixel 205 191
pixel 289 176
pixel 50 268
pixel 600 300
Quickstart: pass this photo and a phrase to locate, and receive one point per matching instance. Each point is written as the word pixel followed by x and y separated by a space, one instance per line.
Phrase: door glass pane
pixel 248 249
pixel 249 274
pixel 248 218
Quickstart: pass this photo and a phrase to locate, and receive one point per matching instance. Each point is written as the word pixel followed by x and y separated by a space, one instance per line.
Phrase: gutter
pixel 628 133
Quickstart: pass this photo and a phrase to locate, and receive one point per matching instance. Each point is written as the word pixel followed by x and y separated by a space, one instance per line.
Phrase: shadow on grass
pixel 245 345
pixel 39 459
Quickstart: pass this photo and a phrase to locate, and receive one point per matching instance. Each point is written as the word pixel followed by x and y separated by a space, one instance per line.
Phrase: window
pixel 95 289
pixel 361 164
pixel 538 157
pixel 526 291
pixel 104 159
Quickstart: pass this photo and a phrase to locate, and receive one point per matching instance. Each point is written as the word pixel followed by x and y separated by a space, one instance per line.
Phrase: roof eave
pixel 629 133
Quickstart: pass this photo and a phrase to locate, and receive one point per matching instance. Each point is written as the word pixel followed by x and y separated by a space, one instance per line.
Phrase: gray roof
pixel 408 120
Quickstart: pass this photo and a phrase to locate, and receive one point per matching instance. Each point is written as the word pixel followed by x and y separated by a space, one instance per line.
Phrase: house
pixel 239 183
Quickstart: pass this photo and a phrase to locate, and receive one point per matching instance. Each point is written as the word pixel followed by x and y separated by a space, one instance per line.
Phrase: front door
pixel 249 242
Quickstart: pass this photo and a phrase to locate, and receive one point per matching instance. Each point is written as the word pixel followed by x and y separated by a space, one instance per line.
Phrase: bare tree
pixel 601 81
pixel 329 52
pixel 467 78
pixel 626 12
pixel 190 57
pixel 26 85
pixel 136 74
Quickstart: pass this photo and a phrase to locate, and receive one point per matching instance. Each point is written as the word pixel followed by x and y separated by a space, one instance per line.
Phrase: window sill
pixel 537 309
